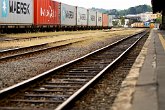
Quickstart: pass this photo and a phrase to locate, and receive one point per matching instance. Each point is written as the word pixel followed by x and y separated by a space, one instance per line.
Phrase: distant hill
pixel 131 10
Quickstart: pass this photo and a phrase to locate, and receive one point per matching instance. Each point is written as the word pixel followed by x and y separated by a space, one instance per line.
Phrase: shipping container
pixel 133 25
pixel 99 19
pixel 141 25
pixel 81 16
pixel 147 24
pixel 136 24
pixel 46 12
pixel 152 25
pixel 68 15
pixel 16 12
pixel 105 20
pixel 92 18
pixel 110 20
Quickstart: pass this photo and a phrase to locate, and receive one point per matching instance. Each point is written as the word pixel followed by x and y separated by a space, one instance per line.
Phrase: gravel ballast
pixel 15 71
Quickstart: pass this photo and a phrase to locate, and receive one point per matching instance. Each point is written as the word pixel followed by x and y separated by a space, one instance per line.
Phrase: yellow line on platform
pixel 162 40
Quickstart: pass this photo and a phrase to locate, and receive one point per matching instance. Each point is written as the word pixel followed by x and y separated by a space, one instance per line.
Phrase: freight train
pixel 143 25
pixel 48 15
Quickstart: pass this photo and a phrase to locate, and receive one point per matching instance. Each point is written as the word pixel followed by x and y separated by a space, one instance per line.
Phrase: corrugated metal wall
pixel 81 16
pixel 68 15
pixel 99 19
pixel 46 12
pixel 92 18
pixel 16 12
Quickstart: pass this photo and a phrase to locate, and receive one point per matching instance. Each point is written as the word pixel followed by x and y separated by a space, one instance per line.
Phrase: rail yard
pixel 57 56
pixel 57 68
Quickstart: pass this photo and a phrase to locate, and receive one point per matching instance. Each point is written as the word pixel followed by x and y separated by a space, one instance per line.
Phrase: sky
pixel 106 4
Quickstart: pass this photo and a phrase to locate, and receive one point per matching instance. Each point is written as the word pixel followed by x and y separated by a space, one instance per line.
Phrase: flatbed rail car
pixel 144 25
pixel 48 15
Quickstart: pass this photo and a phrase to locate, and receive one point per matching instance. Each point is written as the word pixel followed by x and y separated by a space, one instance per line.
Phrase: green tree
pixel 123 12
pixel 115 23
pixel 132 10
pixel 158 20
pixel 122 20
pixel 114 12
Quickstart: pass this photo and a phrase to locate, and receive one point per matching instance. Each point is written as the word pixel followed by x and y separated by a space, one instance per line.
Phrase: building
pixel 148 16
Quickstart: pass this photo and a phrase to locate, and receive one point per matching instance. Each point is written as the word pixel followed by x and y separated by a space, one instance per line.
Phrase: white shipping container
pixel 92 18
pixel 81 16
pixel 16 12
pixel 68 15
pixel 99 19
pixel 110 21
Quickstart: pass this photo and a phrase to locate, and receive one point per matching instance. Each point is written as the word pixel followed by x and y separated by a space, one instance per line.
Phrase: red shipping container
pixel 105 20
pixel 46 12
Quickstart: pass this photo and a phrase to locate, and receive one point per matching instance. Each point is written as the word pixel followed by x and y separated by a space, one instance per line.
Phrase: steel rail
pixel 61 66
pixel 72 97
pixel 11 88
pixel 37 46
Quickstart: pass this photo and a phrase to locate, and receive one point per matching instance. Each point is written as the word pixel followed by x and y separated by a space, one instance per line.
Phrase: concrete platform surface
pixel 144 87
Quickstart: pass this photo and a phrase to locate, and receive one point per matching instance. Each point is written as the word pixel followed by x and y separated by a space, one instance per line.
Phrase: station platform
pixel 144 87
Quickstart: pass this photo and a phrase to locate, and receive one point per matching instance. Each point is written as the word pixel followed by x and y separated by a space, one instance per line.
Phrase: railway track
pixel 7 39
pixel 19 52
pixel 55 89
